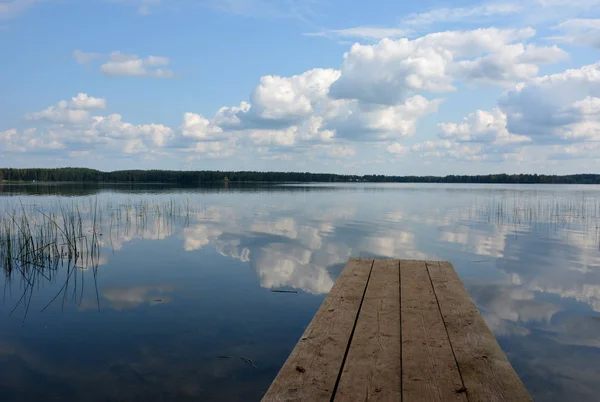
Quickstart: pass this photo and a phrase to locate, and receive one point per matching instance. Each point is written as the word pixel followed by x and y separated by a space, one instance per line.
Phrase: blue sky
pixel 350 87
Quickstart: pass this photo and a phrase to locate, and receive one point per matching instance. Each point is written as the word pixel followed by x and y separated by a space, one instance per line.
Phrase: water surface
pixel 172 299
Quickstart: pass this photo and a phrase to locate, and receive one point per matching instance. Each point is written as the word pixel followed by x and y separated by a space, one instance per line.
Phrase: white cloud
pixel 444 15
pixel 558 107
pixel 228 116
pixel 509 64
pixel 581 150
pixel 28 141
pixel 61 115
pixel 157 61
pixel 136 296
pixel 372 122
pixel 76 130
pixel 393 70
pixel 482 127
pixel 114 127
pixel 129 65
pixel 581 31
pixel 199 236
pixel 362 32
pixel 275 138
pixel 198 128
pixel 377 97
pixel 561 109
pixel 74 112
pixel 291 98
pixel 280 265
pixel 84 58
pixel 85 102
pixel 481 136
pixel 396 148
pixel 122 64
pixel 420 21
pixel 313 130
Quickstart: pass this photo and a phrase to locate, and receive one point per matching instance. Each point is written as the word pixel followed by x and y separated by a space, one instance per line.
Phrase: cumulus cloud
pixel 275 138
pixel 73 126
pixel 118 64
pixel 509 64
pixel 390 71
pixel 28 140
pixel 481 136
pixel 393 70
pixel 563 107
pixel 377 97
pixel 65 112
pixel 372 122
pixel 114 127
pixel 198 128
pixel 480 127
pixel 85 102
pixel 60 114
pixel 286 100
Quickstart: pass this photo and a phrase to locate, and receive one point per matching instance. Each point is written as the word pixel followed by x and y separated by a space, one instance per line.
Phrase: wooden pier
pixel 397 330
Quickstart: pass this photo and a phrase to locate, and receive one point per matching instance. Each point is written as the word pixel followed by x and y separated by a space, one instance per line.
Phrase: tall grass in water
pixel 550 214
pixel 35 244
pixel 64 240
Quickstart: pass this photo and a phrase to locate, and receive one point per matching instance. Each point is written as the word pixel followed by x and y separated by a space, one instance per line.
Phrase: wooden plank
pixel 429 370
pixel 372 368
pixel 312 369
pixel 486 372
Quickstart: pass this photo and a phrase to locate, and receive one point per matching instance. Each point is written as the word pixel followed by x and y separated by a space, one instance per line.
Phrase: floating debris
pixel 250 362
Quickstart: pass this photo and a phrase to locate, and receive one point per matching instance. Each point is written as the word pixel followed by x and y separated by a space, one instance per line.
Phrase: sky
pixel 378 87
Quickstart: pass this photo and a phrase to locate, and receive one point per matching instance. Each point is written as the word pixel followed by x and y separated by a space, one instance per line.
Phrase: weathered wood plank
pixel 429 370
pixel 312 369
pixel 372 368
pixel 485 370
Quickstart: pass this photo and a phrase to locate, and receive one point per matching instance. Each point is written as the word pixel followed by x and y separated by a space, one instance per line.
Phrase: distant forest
pixel 197 177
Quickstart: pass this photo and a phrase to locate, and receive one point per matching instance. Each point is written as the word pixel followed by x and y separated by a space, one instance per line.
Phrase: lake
pixel 159 293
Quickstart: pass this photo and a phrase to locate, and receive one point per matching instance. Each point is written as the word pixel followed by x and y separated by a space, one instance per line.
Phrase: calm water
pixel 176 303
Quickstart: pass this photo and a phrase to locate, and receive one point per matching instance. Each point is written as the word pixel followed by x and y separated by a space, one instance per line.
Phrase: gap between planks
pixel 461 357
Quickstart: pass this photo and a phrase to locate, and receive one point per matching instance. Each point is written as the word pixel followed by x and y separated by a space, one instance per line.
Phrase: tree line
pixel 207 176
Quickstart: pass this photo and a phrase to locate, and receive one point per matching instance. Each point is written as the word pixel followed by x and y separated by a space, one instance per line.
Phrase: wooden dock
pixel 397 330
